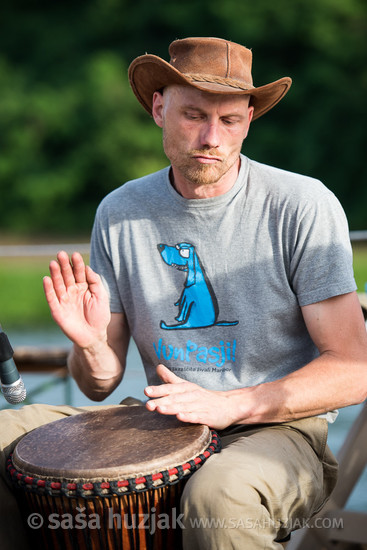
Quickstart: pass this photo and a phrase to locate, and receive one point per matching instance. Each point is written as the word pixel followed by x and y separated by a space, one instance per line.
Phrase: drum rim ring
pixel 121 487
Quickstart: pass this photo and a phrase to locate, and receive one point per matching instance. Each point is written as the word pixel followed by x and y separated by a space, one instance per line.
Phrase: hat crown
pixel 212 57
pixel 211 65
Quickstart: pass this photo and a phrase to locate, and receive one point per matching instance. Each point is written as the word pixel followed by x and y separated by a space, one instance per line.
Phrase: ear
pixel 191 274
pixel 157 108
pixel 250 114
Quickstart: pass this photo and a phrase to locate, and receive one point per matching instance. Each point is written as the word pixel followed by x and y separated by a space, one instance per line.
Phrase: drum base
pixel 137 521
pixel 108 480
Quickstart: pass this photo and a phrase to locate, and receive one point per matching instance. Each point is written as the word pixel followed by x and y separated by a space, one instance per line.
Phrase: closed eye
pixel 193 116
pixel 231 121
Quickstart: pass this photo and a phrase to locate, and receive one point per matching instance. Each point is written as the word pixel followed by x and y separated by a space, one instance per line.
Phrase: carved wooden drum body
pixel 109 479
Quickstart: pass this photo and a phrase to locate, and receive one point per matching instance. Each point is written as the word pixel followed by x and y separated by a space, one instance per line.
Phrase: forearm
pixel 96 369
pixel 337 378
pixel 327 383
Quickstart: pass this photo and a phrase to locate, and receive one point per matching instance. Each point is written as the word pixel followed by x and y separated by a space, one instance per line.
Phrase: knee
pixel 16 423
pixel 213 492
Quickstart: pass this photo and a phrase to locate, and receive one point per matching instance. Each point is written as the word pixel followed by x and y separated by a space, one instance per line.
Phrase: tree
pixel 71 129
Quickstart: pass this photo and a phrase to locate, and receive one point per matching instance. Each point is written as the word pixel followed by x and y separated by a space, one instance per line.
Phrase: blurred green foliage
pixel 71 130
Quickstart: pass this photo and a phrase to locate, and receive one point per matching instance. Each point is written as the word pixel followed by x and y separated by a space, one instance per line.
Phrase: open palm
pixel 77 299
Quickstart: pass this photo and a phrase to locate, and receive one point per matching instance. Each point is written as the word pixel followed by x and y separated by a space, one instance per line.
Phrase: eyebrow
pixel 191 108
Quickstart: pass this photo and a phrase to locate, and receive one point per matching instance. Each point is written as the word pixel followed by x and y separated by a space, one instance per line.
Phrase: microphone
pixel 11 382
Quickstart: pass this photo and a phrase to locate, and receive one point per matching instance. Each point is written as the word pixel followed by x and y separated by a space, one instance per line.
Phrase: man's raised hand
pixel 77 299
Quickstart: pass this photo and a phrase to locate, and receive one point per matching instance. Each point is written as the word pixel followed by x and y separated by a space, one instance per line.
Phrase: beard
pixel 194 171
pixel 201 174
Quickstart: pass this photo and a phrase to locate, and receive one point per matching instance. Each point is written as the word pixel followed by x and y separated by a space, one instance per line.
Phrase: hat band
pixel 219 80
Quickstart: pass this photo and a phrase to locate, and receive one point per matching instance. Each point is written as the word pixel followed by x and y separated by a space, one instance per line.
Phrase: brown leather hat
pixel 210 64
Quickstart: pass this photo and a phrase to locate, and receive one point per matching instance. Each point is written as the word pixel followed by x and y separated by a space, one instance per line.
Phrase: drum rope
pixel 115 487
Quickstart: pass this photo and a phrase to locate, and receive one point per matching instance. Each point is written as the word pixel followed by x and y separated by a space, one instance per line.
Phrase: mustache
pixel 205 153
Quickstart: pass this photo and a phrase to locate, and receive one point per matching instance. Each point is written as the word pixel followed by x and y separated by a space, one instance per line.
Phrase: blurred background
pixel 71 130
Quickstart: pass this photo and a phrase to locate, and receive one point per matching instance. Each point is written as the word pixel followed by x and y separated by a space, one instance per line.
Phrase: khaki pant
pixel 263 484
pixel 267 481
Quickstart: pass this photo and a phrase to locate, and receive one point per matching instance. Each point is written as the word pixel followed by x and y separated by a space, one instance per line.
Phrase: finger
pixel 66 268
pixel 157 405
pixel 184 411
pixel 57 279
pixel 165 390
pixel 94 282
pixel 168 376
pixel 78 267
pixel 51 296
pixel 49 290
pixel 175 401
pixel 191 417
pixel 156 391
pixel 173 385
pixel 151 405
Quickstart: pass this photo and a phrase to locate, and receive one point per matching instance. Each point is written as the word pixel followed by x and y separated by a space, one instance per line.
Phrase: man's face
pixel 202 134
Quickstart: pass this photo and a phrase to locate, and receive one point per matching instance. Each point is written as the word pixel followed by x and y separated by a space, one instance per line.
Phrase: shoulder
pixel 280 181
pixel 291 191
pixel 134 194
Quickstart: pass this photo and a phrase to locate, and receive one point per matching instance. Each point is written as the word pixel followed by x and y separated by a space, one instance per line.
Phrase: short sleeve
pixel 101 258
pixel 322 259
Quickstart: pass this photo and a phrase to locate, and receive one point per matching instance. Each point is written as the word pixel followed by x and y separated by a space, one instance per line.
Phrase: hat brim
pixel 149 73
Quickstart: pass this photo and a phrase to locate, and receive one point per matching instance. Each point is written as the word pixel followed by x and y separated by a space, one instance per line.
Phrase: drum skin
pixel 109 479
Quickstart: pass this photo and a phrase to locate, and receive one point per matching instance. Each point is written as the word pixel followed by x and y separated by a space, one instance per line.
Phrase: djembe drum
pixel 109 479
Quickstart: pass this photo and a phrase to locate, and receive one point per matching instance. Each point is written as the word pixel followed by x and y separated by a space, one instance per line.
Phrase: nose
pixel 210 135
pixel 161 247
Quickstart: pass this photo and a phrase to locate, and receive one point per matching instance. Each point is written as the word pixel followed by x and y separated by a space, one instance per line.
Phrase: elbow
pixel 96 392
pixel 360 385
pixel 363 394
pixel 360 396
pixel 95 395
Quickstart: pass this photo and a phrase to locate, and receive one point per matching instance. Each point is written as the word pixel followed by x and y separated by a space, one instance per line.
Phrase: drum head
pixel 114 443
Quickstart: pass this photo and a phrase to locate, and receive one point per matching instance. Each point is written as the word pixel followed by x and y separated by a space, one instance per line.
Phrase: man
pixel 236 279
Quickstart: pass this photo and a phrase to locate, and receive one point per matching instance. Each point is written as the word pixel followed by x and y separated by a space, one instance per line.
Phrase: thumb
pixel 168 376
pixel 94 281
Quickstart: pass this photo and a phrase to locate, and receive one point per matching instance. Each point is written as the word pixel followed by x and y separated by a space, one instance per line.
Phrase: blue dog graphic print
pixel 197 305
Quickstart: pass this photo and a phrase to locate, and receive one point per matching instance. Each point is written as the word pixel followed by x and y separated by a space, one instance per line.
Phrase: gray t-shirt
pixel 212 288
